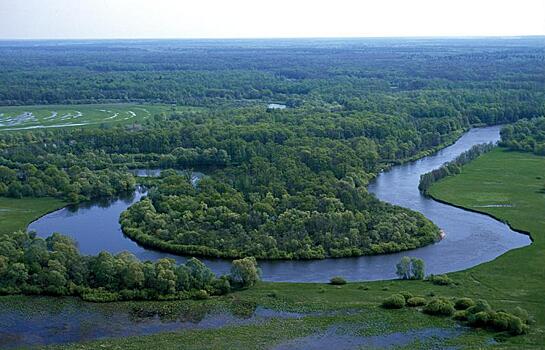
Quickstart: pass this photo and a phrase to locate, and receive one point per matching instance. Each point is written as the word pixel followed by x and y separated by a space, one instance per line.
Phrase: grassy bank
pixel 16 214
pixel 515 180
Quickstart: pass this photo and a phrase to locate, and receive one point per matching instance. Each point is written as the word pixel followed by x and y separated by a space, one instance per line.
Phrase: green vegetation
pixel 16 214
pixel 56 116
pixel 286 184
pixel 394 301
pixel 453 167
pixel 410 268
pixel 74 184
pixel 507 185
pixel 337 281
pixel 525 135
pixel 53 266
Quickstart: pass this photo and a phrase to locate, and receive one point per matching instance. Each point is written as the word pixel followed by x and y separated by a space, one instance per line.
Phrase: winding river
pixel 471 238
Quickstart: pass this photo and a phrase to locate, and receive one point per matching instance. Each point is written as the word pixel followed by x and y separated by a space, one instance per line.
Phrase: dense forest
pixel 525 135
pixel 281 183
pixel 32 265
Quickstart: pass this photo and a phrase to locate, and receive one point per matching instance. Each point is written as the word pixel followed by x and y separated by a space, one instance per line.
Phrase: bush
pixel 394 301
pixel 416 301
pixel 439 307
pixel 479 319
pixel 480 305
pixel 461 315
pixel 337 280
pixel 440 280
pixel 201 295
pixel 406 295
pixel 99 296
pixel 464 303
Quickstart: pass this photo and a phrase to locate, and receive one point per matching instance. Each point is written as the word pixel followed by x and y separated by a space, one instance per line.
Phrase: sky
pixel 115 19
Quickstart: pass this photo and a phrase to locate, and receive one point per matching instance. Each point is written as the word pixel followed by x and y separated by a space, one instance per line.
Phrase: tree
pixel 245 271
pixel 410 268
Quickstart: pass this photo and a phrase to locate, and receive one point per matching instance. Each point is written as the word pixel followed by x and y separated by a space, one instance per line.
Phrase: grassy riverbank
pixel 515 180
pixel 16 214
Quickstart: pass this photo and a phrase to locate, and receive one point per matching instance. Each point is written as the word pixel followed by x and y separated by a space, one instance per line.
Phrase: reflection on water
pixel 44 320
pixel 471 238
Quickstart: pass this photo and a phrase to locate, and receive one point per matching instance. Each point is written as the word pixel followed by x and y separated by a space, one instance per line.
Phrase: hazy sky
pixel 30 19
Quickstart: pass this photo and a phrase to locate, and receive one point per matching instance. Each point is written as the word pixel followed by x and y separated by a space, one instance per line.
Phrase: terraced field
pixel 39 117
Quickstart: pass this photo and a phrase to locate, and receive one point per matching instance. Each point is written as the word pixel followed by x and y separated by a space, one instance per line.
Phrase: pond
pixel 471 238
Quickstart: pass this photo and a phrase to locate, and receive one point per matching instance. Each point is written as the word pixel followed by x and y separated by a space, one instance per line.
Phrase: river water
pixel 471 238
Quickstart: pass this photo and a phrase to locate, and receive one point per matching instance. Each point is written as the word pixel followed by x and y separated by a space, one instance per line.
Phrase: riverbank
pixel 514 279
pixel 517 277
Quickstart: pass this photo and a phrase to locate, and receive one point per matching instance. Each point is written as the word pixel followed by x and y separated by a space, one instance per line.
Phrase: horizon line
pixel 509 36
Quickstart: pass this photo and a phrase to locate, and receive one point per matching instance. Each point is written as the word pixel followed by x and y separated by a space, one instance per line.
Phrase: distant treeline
pixel 32 265
pixel 453 167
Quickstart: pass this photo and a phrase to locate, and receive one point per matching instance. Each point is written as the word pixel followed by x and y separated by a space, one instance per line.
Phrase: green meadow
pixel 16 214
pixel 56 116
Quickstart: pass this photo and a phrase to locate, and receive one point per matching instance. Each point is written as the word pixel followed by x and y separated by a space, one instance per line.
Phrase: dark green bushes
pixel 525 135
pixel 441 280
pixel 439 307
pixel 463 303
pixel 395 301
pixel 337 280
pixel 477 314
pixel 416 301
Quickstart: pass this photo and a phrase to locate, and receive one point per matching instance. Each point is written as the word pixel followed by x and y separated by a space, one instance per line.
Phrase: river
pixel 471 238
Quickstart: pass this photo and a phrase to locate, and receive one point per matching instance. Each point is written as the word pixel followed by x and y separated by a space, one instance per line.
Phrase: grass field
pixel 37 117
pixel 16 214
pixel 338 313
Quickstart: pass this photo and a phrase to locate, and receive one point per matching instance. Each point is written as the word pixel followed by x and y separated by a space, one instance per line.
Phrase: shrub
pixel 440 280
pixel 406 295
pixel 464 303
pixel 221 286
pixel 272 294
pixel 394 301
pixel 439 307
pixel 201 294
pixel 416 301
pixel 99 296
pixel 461 315
pixel 337 280
pixel 479 319
pixel 480 305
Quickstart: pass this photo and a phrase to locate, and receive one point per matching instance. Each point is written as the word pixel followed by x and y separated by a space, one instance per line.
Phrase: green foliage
pixel 31 265
pixel 410 268
pixel 463 303
pixel 441 280
pixel 453 167
pixel 394 301
pixel 406 295
pixel 460 315
pixel 416 301
pixel 245 272
pixel 337 280
pixel 525 135
pixel 439 307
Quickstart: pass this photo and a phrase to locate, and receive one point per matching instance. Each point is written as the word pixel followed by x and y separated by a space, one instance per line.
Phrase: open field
pixel 16 214
pixel 38 117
